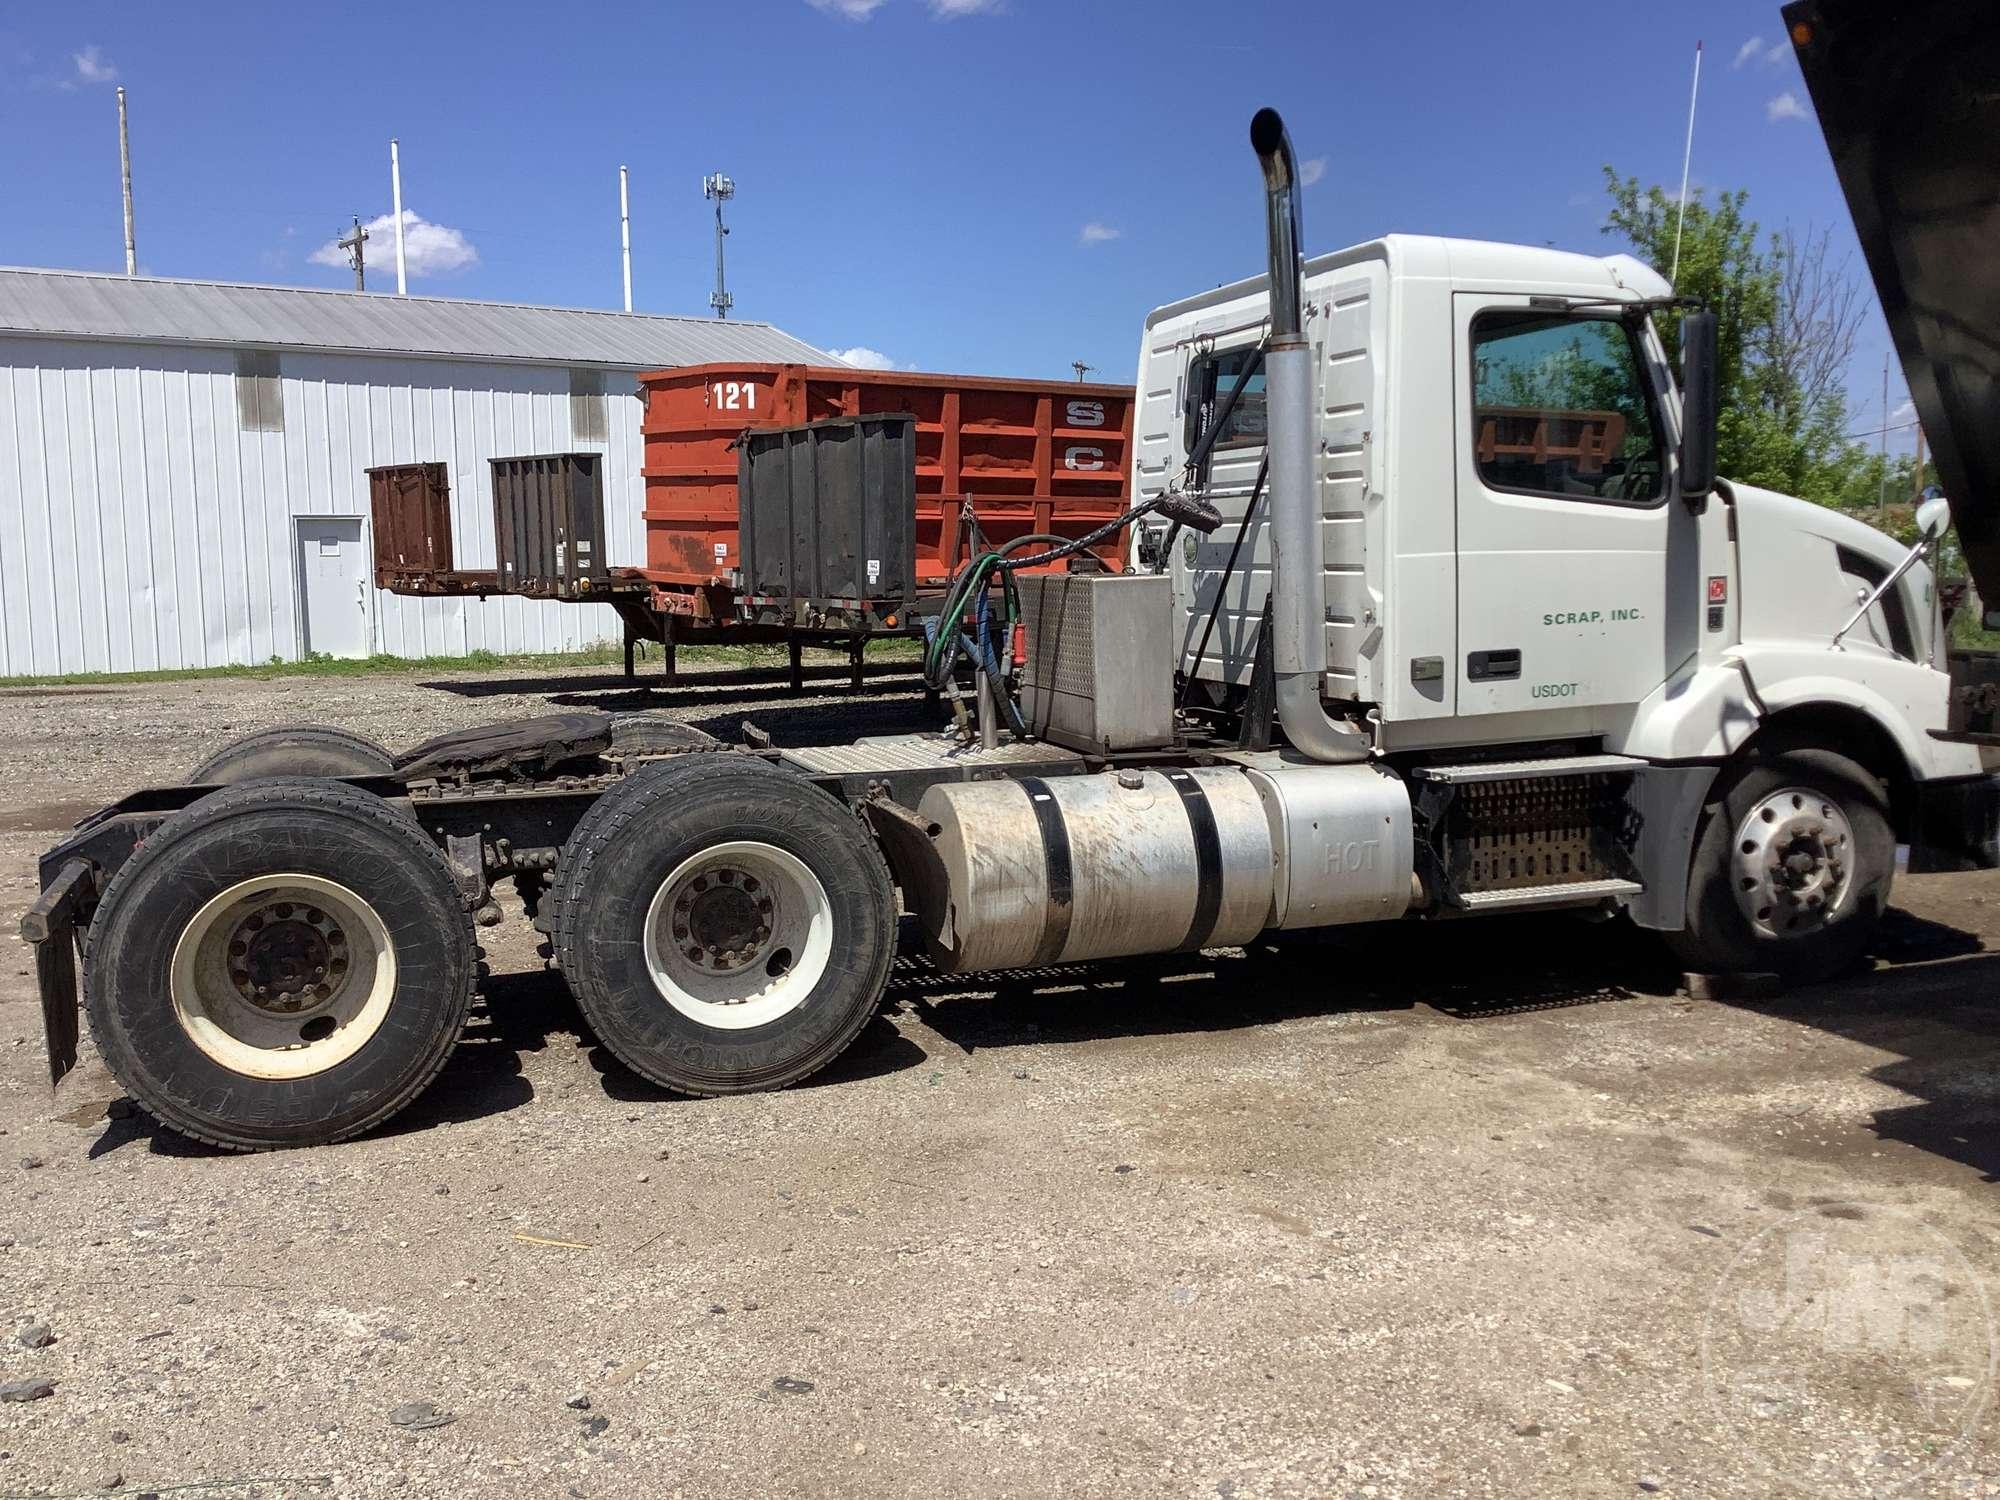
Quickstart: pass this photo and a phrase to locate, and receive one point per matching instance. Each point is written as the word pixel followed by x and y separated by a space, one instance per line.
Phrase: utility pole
pixel 1082 369
pixel 1917 479
pixel 625 232
pixel 352 245
pixel 396 191
pixel 721 189
pixel 125 172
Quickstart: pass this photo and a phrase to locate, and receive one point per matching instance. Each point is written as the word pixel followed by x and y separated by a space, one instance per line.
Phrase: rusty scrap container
pixel 548 524
pixel 1032 456
pixel 411 508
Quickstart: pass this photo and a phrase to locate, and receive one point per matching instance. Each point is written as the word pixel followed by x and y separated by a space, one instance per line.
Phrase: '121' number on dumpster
pixel 734 395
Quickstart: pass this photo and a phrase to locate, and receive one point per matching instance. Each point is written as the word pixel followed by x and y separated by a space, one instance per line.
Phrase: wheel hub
pixel 283 975
pixel 1791 862
pixel 287 958
pixel 722 920
pixel 738 934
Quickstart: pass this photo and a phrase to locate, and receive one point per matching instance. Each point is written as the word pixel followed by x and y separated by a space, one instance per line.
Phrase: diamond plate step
pixel 1514 770
pixel 1573 893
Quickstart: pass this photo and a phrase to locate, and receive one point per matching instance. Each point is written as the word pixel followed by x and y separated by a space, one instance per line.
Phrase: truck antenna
pixel 1687 158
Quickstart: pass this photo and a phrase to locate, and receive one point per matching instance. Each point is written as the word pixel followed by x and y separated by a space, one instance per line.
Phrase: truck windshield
pixel 1561 407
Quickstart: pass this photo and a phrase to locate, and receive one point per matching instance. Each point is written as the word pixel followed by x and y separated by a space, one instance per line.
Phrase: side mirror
pixel 1698 407
pixel 1933 517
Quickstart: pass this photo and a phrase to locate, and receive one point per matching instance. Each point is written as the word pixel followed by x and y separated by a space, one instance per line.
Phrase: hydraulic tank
pixel 1077 867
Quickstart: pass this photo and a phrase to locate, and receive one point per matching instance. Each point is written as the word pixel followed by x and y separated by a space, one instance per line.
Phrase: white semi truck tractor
pixel 1435 610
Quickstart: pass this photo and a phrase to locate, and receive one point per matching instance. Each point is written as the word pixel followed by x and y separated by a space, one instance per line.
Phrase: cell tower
pixel 721 189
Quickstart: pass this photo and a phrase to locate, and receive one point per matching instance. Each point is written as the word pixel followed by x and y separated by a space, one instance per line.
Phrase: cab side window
pixel 1210 380
pixel 1560 406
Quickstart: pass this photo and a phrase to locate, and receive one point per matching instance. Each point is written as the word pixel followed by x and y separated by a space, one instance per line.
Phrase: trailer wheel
pixel 1791 871
pixel 293 750
pixel 725 925
pixel 281 964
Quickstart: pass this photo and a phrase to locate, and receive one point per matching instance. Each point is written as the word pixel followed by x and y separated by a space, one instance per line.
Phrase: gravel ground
pixel 1484 1209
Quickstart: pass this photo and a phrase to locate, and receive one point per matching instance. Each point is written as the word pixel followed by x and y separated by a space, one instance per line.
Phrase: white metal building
pixel 181 462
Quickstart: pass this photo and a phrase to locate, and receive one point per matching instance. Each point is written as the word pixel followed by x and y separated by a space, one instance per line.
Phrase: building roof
pixel 163 310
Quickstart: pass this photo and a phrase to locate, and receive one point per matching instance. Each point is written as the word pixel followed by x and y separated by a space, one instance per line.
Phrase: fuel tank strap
pixel 1056 862
pixel 1207 860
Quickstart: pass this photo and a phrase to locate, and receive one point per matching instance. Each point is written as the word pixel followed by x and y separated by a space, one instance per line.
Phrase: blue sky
pixel 992 186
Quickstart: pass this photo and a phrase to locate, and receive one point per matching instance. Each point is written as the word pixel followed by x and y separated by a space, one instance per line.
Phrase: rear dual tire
pixel 725 926
pixel 285 963
pixel 293 750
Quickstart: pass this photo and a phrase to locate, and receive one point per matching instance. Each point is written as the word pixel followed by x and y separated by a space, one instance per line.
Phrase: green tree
pixel 1786 320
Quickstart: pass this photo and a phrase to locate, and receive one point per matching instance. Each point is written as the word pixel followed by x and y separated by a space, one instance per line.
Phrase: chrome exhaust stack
pixel 1298 569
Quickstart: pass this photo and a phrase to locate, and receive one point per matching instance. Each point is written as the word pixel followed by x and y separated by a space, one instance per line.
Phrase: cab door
pixel 1564 517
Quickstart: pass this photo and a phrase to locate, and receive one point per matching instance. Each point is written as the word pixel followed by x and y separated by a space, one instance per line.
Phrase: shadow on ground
pixel 1932 1002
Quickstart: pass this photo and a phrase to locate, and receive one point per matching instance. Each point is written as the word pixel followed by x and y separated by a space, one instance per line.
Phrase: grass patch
pixel 604 654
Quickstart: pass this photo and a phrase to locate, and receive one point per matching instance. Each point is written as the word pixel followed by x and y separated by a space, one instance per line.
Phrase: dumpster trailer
pixel 994 460
pixel 1432 609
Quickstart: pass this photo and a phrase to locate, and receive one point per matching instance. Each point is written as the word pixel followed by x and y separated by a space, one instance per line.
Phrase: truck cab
pixel 1509 557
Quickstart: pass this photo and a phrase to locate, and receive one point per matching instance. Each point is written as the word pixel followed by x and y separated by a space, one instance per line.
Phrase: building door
pixel 333 586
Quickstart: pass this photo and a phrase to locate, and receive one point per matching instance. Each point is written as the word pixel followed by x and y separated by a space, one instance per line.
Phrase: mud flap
pixel 50 924
pixel 905 840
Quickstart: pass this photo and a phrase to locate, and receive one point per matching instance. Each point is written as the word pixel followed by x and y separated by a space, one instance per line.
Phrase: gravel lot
pixel 1467 1210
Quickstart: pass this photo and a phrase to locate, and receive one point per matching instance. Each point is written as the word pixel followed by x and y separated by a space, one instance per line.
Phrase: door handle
pixel 1493 666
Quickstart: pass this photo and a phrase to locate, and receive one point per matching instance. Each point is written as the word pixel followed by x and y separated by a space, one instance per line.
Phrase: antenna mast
pixel 721 189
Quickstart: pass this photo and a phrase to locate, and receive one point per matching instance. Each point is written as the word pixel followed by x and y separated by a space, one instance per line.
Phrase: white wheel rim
pixel 1792 865
pixel 738 935
pixel 283 976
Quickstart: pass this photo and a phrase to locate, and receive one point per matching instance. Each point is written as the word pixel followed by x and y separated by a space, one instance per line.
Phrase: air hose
pixel 946 639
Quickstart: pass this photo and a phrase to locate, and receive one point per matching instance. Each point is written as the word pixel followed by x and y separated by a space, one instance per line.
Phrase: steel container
pixel 548 524
pixel 410 507
pixel 1030 455
pixel 827 521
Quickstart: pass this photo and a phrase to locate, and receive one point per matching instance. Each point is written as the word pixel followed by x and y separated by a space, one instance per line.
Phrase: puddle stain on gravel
pixel 46 817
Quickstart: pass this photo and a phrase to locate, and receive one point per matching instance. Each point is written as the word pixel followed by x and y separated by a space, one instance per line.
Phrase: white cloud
pixel 863 358
pixel 1785 107
pixel 428 249
pixel 91 67
pixel 1907 412
pixel 1311 170
pixel 1096 233
pixel 1754 51
pixel 941 10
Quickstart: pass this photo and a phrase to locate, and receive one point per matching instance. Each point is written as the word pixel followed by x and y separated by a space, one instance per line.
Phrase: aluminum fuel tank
pixel 1079 867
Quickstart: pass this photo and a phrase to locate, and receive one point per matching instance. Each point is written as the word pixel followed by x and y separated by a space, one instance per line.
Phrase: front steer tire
pixel 281 882
pixel 725 926
pixel 1786 808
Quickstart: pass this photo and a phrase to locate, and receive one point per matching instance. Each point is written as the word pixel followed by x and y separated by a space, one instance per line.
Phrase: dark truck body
pixel 1906 97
